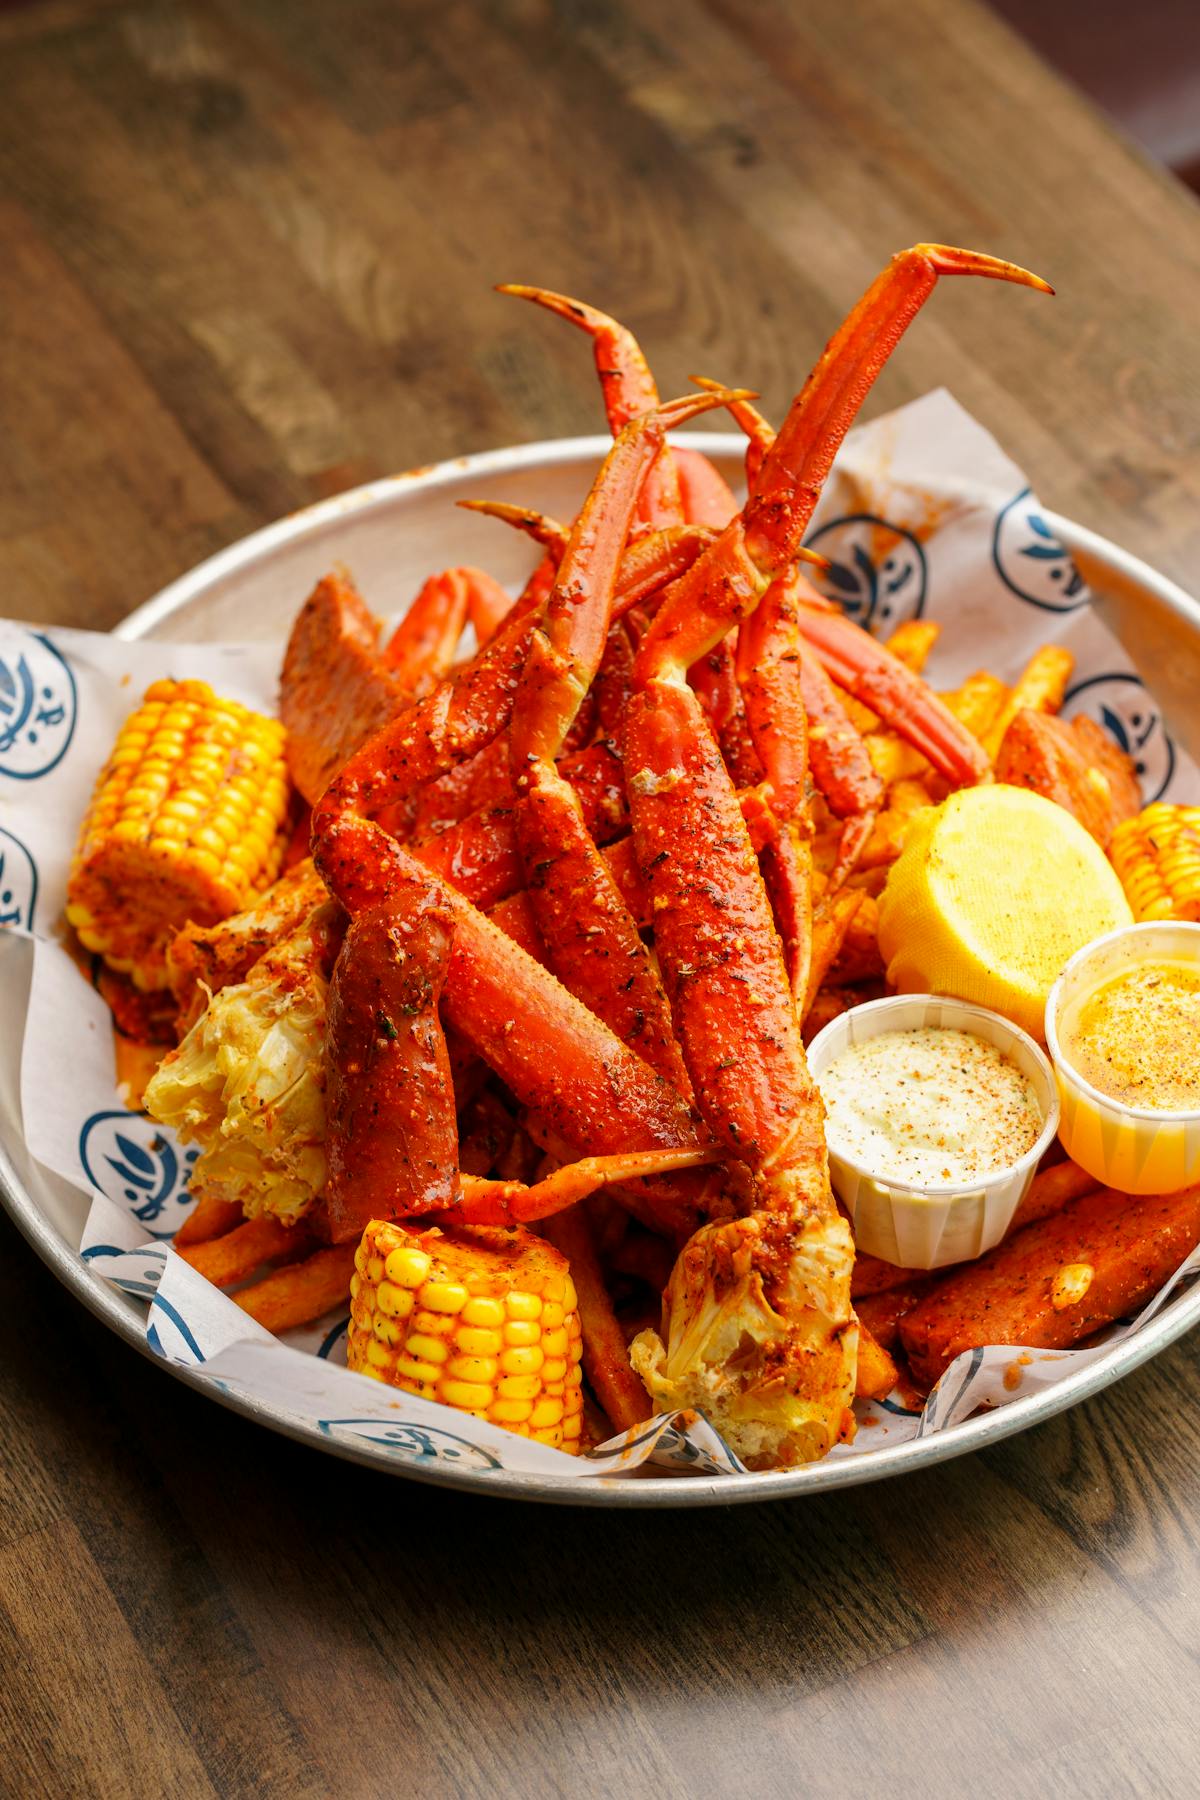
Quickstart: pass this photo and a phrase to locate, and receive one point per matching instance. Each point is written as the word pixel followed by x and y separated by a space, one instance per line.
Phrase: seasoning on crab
pixel 186 823
pixel 481 1320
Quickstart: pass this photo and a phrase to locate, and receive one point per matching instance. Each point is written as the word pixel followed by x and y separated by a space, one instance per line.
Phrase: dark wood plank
pixel 249 256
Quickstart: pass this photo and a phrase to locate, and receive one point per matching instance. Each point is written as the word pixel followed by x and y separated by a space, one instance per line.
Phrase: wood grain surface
pixel 248 255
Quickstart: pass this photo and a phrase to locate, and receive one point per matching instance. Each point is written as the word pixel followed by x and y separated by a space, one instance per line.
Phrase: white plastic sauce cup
pixel 927 1226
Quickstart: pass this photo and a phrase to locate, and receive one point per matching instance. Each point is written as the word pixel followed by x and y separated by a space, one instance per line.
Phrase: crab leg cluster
pixel 633 745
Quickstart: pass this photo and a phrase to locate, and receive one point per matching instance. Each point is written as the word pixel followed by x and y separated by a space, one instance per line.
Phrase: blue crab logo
pixel 1031 562
pixel 878 573
pixel 37 704
pixel 128 1157
pixel 415 1443
pixel 18 883
pixel 1122 705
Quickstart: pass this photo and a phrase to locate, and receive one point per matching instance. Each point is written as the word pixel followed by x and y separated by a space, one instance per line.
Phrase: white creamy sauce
pixel 929 1106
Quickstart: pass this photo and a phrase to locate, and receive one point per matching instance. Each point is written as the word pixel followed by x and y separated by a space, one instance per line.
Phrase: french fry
pixel 1051 1190
pixel 907 800
pixel 605 1357
pixel 827 1005
pixel 880 1314
pixel 892 759
pixel 209 1218
pixel 874 1276
pixel 1041 687
pixel 913 641
pixel 859 958
pixel 977 703
pixel 302 1291
pixel 830 924
pixel 876 1374
pixel 234 1257
pixel 1058 1281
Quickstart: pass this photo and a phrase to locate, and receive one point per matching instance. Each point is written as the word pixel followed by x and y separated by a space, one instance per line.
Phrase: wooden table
pixel 247 261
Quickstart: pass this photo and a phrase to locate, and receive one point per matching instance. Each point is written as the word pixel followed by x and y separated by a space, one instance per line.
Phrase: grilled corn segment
pixel 484 1321
pixel 185 824
pixel 1157 856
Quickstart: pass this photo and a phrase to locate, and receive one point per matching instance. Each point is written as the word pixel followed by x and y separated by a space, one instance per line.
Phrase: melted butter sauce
pixel 1137 1037
pixel 929 1107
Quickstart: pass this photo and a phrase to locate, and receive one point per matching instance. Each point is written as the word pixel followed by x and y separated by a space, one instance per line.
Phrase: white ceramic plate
pixel 392 533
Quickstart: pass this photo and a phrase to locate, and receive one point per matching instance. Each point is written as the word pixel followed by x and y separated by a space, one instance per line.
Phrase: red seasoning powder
pixel 930 1107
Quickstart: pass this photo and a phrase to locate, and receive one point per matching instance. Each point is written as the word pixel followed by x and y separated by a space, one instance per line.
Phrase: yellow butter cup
pixel 994 892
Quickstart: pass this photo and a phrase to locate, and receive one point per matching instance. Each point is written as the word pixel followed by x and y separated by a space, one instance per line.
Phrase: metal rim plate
pixel 188 602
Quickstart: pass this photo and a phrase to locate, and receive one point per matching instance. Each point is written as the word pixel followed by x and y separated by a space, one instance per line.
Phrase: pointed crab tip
pixel 813 559
pixel 948 259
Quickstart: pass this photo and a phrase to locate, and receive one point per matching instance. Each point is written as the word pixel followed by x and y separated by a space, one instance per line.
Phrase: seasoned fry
pixel 211 1217
pixel 874 1276
pixel 907 800
pixel 859 958
pixel 239 1253
pixel 830 925
pixel 605 1358
pixel 1041 688
pixel 1051 1190
pixel 1008 1297
pixel 880 1314
pixel 302 1291
pixel 913 642
pixel 876 1374
pixel 977 703
pixel 893 760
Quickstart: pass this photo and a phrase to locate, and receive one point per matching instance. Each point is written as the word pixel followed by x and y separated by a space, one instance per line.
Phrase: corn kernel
pixel 375 1271
pixel 407 1268
pixel 554 1343
pixel 474 1341
pixel 415 1369
pixel 436 1324
pixel 510 1412
pixel 525 1361
pixel 443 1296
pixel 518 1387
pixel 523 1306
pixel 385 1329
pixel 397 1302
pixel 467 1394
pixel 554 1370
pixel 473 1368
pixel 553 1314
pixel 377 1356
pixel 429 1349
pixel 522 1331
pixel 545 1413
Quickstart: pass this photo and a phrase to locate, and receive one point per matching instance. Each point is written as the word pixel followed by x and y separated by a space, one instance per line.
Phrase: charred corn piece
pixel 484 1321
pixel 1157 856
pixel 186 823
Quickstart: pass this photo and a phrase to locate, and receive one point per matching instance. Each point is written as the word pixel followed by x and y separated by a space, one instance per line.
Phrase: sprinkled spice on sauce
pixel 929 1106
pixel 1137 1038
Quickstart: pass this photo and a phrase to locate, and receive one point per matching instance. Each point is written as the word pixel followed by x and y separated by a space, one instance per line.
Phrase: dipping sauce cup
pixel 1138 1150
pixel 927 1226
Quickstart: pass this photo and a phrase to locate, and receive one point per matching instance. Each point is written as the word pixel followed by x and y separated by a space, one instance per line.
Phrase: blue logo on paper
pixel 18 883
pixel 1031 562
pixel 1127 712
pixel 878 572
pixel 37 704
pixel 415 1443
pixel 128 1157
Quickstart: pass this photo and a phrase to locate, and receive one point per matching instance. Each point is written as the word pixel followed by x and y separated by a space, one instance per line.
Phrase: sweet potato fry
pixel 876 1374
pixel 1049 1192
pixel 913 642
pixel 830 924
pixel 209 1218
pixel 1041 688
pixel 302 1291
pixel 892 759
pixel 880 1314
pixel 874 1276
pixel 239 1253
pixel 1035 1288
pixel 605 1357
pixel 906 801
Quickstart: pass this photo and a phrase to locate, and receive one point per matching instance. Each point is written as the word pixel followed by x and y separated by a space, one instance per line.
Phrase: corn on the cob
pixel 484 1321
pixel 185 824
pixel 1157 856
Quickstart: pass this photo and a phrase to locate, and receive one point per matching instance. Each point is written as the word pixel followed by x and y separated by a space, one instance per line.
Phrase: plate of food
pixel 690 1015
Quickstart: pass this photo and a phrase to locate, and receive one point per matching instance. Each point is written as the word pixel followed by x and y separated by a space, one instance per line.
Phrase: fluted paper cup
pixel 1139 1150
pixel 927 1227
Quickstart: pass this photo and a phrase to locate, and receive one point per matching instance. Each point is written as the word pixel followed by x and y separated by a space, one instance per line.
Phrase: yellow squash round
pixel 995 890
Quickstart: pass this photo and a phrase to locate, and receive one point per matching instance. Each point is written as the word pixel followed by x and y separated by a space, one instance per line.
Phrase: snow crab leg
pixel 758 1324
